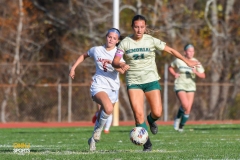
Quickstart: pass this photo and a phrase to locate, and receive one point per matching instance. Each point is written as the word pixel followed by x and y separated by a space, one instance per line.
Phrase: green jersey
pixel 186 80
pixel 140 56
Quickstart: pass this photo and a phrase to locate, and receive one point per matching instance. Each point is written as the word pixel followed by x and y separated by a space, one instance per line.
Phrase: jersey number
pixel 138 56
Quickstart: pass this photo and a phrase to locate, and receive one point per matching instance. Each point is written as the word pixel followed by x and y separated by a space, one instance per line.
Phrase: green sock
pixel 180 113
pixel 144 125
pixel 151 119
pixel 184 119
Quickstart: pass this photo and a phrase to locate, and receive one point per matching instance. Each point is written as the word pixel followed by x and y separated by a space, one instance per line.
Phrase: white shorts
pixel 112 94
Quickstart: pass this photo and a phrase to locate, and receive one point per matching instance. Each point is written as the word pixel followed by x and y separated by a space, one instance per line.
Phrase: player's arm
pixel 116 63
pixel 80 59
pixel 120 70
pixel 172 71
pixel 198 74
pixel 175 53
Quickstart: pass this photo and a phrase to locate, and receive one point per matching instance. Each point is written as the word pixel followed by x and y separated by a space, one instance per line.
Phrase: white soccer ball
pixel 139 136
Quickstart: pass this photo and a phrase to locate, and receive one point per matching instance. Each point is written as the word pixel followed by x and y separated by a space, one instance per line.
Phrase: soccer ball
pixel 138 136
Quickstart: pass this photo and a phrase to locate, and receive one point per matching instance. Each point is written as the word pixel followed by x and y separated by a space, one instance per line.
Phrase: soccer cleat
pixel 147 147
pixel 106 131
pixel 153 127
pixel 176 123
pixel 91 143
pixel 180 128
pixel 97 134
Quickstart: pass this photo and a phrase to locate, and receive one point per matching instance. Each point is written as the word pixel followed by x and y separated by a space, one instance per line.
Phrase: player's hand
pixel 177 75
pixel 124 66
pixel 72 74
pixel 194 69
pixel 192 63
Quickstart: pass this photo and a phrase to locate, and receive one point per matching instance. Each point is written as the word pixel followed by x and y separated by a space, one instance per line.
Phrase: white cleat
pixel 97 135
pixel 176 124
pixel 92 144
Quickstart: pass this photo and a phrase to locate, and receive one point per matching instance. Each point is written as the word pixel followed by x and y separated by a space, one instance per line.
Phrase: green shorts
pixel 146 86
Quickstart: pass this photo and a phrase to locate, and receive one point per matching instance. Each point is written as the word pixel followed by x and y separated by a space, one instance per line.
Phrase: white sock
pixel 102 121
pixel 108 123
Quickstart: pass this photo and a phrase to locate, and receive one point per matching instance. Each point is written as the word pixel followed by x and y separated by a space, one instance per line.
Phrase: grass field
pixel 196 142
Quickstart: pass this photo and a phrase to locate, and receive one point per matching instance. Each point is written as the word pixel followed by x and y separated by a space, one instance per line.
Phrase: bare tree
pixel 220 65
pixel 15 71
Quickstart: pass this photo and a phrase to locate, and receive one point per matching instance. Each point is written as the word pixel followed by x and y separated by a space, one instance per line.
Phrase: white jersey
pixel 106 76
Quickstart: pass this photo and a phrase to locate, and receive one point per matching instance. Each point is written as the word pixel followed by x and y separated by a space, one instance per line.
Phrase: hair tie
pixel 188 46
pixel 114 30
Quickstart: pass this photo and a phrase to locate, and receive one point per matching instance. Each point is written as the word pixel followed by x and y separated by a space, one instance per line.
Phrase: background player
pixel 184 85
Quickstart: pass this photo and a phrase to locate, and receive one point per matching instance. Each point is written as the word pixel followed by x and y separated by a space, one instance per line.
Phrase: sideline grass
pixel 196 142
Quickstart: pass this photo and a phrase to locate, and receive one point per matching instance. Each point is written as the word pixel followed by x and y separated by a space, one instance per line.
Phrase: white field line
pixel 95 152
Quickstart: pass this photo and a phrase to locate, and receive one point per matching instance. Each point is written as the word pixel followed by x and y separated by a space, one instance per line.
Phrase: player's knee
pixel 156 115
pixel 108 110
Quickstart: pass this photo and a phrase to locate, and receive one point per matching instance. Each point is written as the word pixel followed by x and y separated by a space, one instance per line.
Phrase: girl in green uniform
pixel 184 85
pixel 142 75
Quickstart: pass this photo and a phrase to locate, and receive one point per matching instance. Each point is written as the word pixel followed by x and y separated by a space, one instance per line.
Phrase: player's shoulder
pixel 177 60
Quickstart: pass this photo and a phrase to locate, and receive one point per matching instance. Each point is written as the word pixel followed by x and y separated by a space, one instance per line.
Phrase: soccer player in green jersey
pixel 142 75
pixel 184 85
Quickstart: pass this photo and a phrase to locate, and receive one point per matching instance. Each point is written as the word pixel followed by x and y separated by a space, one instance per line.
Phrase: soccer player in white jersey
pixel 184 85
pixel 105 82
pixel 142 75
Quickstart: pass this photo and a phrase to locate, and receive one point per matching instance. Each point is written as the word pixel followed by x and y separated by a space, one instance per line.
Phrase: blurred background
pixel 41 39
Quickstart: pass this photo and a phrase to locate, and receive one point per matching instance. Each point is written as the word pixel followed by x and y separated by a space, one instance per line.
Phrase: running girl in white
pixel 184 85
pixel 142 75
pixel 105 82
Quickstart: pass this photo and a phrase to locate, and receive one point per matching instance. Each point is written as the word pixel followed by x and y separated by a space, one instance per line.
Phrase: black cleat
pixel 147 147
pixel 153 127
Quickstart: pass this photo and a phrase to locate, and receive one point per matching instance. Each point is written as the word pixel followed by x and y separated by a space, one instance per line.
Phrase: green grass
pixel 196 142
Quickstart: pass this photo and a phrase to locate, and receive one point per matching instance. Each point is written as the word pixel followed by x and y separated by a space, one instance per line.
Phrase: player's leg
pixel 102 98
pixel 108 124
pixel 154 100
pixel 136 98
pixel 178 117
pixel 91 141
pixel 98 116
pixel 186 100
pixel 153 95
pixel 95 117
